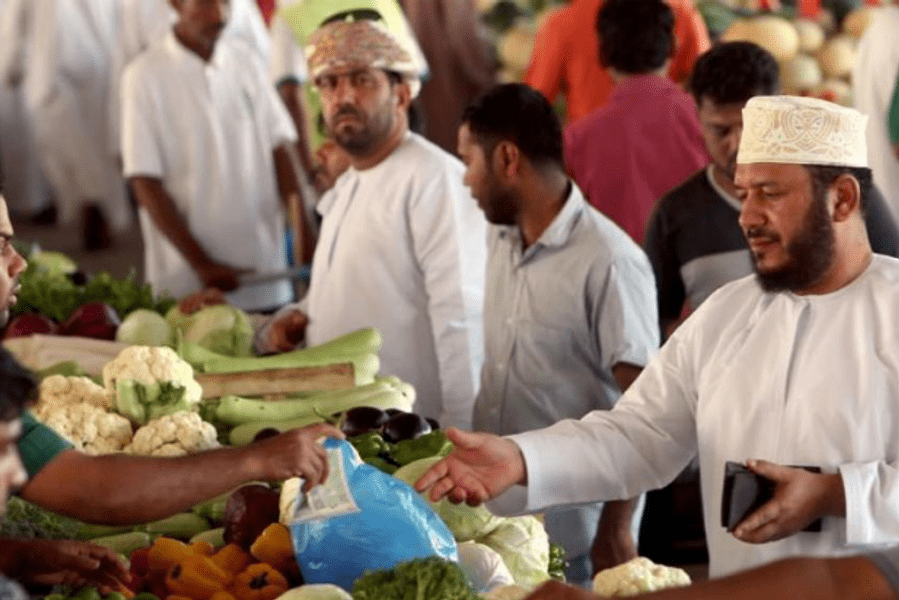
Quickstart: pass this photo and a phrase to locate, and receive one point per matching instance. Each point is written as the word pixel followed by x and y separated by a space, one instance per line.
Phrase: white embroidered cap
pixel 798 130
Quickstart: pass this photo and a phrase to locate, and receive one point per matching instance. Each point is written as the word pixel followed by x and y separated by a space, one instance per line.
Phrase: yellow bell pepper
pixel 166 552
pixel 231 558
pixel 259 581
pixel 197 577
pixel 273 546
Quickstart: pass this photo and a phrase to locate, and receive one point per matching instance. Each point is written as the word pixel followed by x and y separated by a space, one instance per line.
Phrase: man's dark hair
pixel 517 113
pixel 823 176
pixel 635 36
pixel 734 72
pixel 17 387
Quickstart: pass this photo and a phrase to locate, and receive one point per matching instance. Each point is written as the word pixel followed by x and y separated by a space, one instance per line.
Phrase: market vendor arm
pixel 153 197
pixel 855 578
pixel 122 489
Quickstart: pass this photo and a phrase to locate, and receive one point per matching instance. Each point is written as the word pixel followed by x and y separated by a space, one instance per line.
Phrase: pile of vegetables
pixel 55 298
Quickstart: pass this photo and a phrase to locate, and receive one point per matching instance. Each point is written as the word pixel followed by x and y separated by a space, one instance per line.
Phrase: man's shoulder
pixel 416 153
pixel 694 195
pixel 154 62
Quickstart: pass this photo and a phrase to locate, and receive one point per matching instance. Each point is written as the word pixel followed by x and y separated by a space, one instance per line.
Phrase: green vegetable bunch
pixel 424 578
pixel 56 295
pixel 88 592
pixel 381 454
pixel 25 520
pixel 556 562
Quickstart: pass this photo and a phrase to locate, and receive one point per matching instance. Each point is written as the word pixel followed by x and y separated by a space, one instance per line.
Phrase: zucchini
pixel 234 410
pixel 365 365
pixel 89 531
pixel 216 537
pixel 212 509
pixel 244 434
pixel 124 543
pixel 182 526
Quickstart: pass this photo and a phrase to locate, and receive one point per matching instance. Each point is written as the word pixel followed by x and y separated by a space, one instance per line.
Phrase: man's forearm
pixel 152 196
pixel 800 578
pixel 120 489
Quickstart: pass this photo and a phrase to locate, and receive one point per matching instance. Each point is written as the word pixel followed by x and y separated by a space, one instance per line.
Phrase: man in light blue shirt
pixel 570 314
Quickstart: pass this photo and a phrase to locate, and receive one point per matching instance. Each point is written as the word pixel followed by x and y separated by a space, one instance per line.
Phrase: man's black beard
pixel 809 256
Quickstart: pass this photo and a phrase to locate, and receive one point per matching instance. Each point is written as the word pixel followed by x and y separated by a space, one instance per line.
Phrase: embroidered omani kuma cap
pixel 798 130
pixel 342 44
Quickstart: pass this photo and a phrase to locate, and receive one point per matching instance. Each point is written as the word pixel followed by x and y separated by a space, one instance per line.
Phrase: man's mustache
pixel 348 110
pixel 762 233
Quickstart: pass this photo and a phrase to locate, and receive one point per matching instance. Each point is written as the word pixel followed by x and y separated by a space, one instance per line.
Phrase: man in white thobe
pixel 69 51
pixel 874 79
pixel 402 245
pixel 204 141
pixel 797 365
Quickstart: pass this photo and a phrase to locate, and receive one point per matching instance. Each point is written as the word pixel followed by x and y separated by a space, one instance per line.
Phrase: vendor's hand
pixel 222 277
pixel 556 590
pixel 800 497
pixel 200 300
pixel 294 453
pixel 285 331
pixel 71 562
pixel 480 467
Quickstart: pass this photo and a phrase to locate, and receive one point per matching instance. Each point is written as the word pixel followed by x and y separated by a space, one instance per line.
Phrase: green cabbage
pixel 144 327
pixel 523 544
pixel 465 522
pixel 223 329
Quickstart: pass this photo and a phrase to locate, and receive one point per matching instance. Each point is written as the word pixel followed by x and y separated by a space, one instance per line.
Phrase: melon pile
pixel 815 58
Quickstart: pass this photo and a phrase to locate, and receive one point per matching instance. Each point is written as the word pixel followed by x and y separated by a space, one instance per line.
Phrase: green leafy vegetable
pixel 432 578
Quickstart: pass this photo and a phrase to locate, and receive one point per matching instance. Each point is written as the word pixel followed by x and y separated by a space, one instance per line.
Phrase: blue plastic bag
pixel 361 520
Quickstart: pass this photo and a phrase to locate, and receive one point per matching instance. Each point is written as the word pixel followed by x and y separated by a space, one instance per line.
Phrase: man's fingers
pixel 437 471
pixel 321 430
pixel 768 470
pixel 461 439
pixel 765 514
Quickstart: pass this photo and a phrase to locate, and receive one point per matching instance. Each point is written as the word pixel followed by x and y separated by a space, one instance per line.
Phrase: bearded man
pixel 796 365
pixel 402 245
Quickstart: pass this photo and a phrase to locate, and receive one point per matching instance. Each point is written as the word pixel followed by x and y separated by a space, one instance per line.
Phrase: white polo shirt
pixel 207 130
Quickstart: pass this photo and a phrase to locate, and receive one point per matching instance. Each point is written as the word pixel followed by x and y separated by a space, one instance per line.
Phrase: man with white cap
pixel 402 245
pixel 797 365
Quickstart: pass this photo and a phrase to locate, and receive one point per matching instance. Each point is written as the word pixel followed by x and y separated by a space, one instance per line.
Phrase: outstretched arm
pixel 854 578
pixel 121 489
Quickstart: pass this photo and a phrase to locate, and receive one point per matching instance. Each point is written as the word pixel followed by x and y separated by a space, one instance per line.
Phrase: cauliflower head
pixel 57 391
pixel 89 428
pixel 148 382
pixel 638 576
pixel 176 434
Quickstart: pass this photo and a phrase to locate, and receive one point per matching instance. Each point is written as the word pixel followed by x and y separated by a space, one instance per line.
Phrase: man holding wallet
pixel 797 365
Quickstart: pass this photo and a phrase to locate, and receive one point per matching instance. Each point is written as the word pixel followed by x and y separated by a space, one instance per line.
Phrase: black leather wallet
pixel 745 491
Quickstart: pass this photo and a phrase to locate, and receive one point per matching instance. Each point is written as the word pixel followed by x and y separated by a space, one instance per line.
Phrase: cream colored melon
pixel 858 20
pixel 774 34
pixel 515 47
pixel 834 90
pixel 811 35
pixel 837 56
pixel 800 74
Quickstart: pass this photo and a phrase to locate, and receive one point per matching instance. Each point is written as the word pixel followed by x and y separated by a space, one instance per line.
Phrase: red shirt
pixel 629 153
pixel 566 56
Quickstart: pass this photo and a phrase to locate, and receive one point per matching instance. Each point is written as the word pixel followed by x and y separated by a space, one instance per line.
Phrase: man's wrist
pixel 835 496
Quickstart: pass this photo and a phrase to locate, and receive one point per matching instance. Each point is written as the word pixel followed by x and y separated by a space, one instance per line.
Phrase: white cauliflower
pixel 638 576
pixel 149 382
pixel 57 390
pixel 76 408
pixel 176 434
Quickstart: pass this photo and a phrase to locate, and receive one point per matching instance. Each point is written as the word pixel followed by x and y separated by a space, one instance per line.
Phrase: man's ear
pixel 508 159
pixel 403 95
pixel 848 196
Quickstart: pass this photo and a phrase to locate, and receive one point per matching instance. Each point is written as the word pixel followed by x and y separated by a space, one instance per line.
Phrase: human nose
pixel 344 90
pixel 17 264
pixel 750 215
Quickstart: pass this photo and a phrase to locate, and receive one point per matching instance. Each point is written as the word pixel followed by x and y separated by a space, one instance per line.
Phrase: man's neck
pixel 362 163
pixel 724 181
pixel 541 204
pixel 204 51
